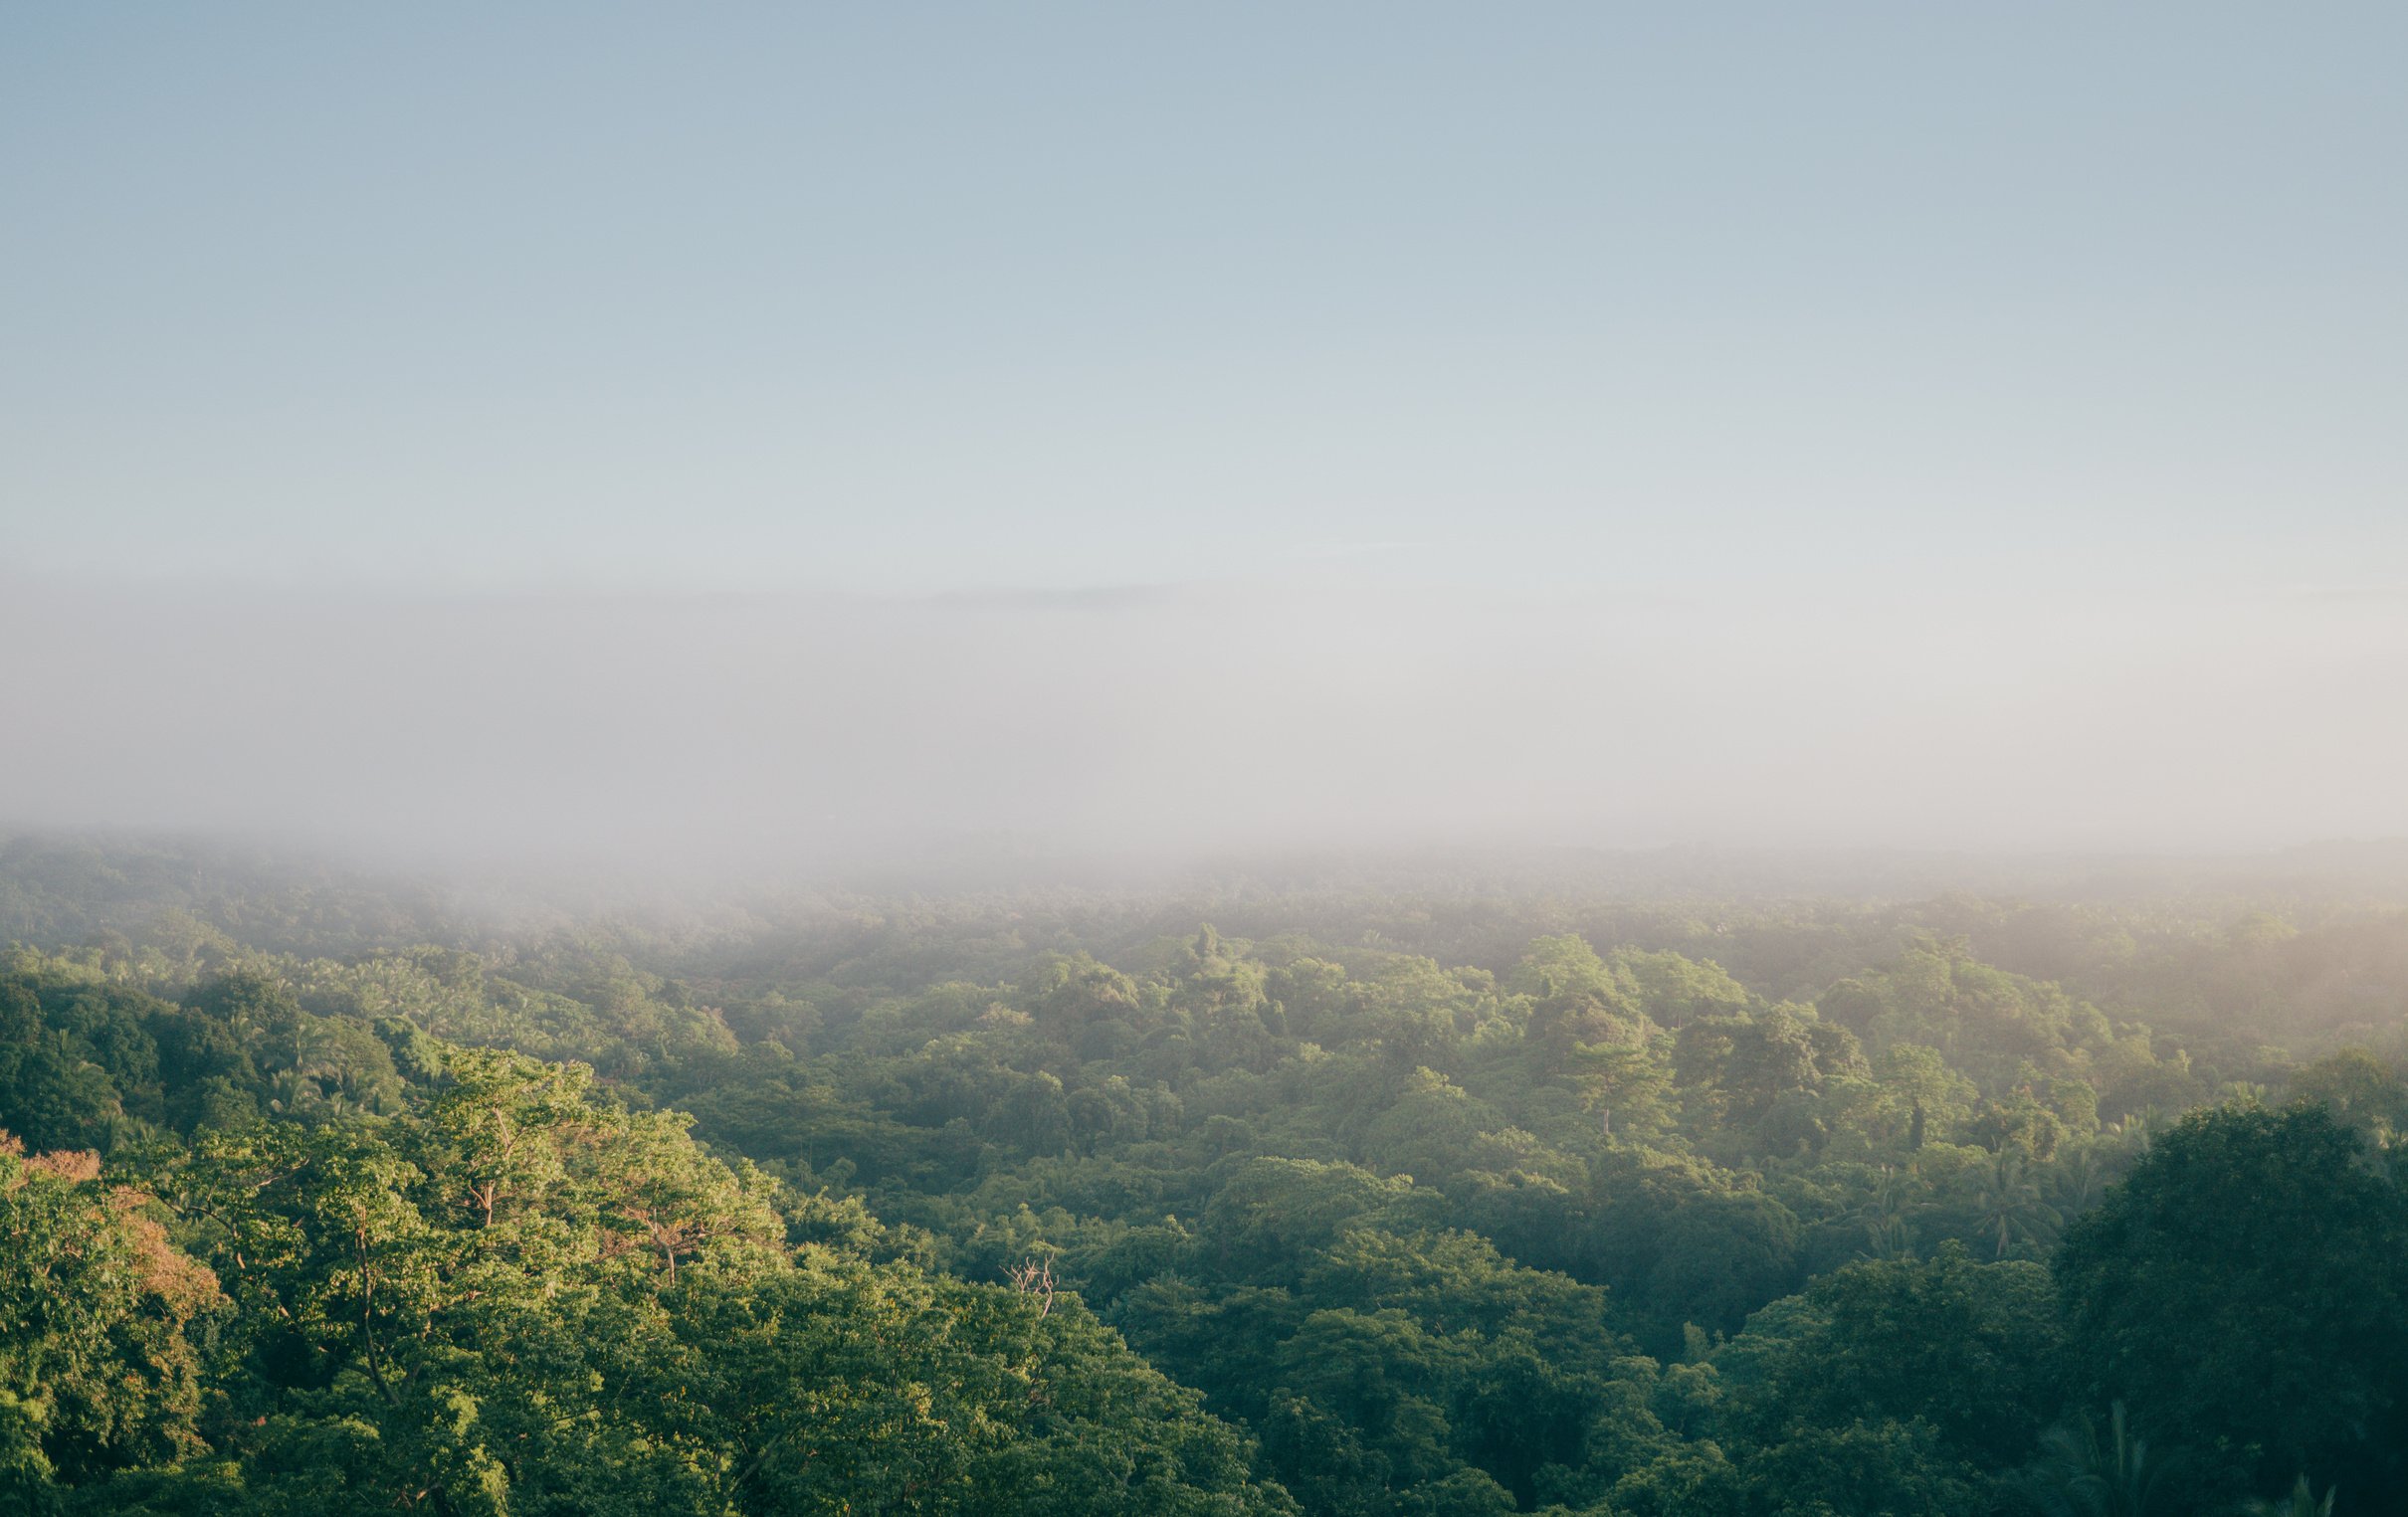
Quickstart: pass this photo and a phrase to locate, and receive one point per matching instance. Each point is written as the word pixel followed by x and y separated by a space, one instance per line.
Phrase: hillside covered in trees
pixel 1355 1198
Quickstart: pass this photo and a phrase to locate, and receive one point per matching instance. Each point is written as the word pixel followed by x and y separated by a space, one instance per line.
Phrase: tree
pixel 2083 1474
pixel 2246 1290
pixel 1625 1083
pixel 2301 1502
pixel 1748 1064
pixel 96 1370
pixel 2359 1089
pixel 1575 998
pixel 532 1300
pixel 1966 1349
pixel 1896 1469
pixel 2007 1209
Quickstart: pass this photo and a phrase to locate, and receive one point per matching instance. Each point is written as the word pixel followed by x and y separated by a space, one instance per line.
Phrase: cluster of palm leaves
pixel 2008 1207
pixel 2086 1472
pixel 2301 1502
pixel 1887 1235
pixel 2083 1473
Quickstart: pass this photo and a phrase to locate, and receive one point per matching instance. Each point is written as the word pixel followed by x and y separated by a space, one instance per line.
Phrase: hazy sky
pixel 1839 422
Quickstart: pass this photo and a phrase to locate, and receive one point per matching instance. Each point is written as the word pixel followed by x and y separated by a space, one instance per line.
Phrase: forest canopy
pixel 322 1196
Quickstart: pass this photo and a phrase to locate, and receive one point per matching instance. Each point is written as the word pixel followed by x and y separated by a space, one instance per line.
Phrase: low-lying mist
pixel 1161 722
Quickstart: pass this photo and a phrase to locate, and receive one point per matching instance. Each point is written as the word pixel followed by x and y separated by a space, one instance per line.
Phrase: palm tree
pixel 291 1092
pixel 2078 1183
pixel 1884 1216
pixel 2079 1474
pixel 2139 1130
pixel 2009 1205
pixel 2301 1502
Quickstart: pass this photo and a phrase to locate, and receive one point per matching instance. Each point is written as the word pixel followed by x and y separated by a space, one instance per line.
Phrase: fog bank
pixel 1178 720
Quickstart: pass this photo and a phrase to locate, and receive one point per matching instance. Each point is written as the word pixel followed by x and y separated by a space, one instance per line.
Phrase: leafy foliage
pixel 1452 1204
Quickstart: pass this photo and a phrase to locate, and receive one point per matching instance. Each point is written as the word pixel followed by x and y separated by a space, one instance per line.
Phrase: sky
pixel 1178 425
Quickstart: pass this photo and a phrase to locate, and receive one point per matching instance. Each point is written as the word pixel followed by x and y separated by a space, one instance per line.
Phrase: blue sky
pixel 905 300
pixel 1168 426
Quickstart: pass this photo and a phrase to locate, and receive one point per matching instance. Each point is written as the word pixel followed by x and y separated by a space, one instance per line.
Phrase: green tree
pixel 2084 1472
pixel 2007 1209
pixel 2301 1502
pixel 2246 1290
pixel 98 1372
pixel 1969 1350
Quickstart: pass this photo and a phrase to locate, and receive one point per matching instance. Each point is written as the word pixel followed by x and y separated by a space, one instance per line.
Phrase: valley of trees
pixel 1343 1198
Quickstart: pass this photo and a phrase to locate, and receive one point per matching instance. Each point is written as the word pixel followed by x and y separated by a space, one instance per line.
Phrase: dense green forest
pixel 1342 1197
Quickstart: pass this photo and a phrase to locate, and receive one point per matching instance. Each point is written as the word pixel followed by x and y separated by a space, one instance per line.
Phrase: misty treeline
pixel 1352 1202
